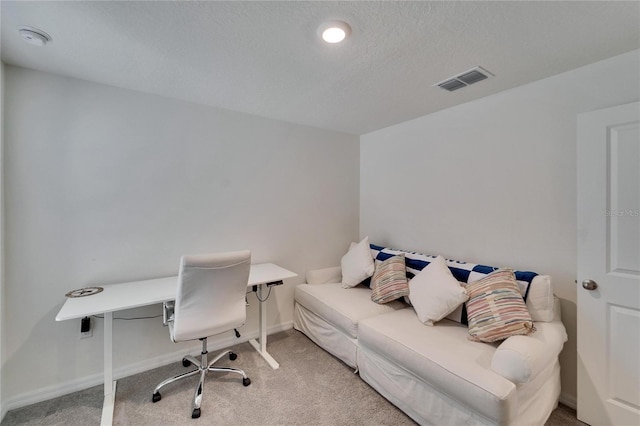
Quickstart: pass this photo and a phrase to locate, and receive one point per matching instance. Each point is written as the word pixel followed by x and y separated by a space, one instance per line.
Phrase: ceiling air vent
pixel 464 79
pixel 452 85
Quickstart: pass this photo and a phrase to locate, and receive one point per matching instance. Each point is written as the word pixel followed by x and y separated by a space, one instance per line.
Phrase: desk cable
pixel 254 290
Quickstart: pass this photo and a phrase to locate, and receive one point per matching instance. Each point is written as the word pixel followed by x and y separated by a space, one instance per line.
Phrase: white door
pixel 609 266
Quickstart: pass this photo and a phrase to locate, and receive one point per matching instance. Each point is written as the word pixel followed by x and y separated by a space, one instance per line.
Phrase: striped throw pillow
pixel 389 281
pixel 495 308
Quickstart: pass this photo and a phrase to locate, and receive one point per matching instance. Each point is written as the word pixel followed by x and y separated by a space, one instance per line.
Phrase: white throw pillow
pixel 435 293
pixel 357 265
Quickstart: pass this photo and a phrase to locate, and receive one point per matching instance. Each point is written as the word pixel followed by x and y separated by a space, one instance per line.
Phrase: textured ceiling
pixel 265 58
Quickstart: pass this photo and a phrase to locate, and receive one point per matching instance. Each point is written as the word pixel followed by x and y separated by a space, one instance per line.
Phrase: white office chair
pixel 210 300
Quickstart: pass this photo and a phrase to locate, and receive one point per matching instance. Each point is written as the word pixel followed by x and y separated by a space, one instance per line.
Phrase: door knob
pixel 589 285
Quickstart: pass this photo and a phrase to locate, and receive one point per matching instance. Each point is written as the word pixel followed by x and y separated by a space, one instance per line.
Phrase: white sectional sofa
pixel 435 374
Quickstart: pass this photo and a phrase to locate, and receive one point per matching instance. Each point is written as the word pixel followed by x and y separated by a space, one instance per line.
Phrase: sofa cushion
pixel 357 264
pixel 342 307
pixel 435 293
pixel 540 299
pixel 536 290
pixel 496 309
pixel 389 281
pixel 441 356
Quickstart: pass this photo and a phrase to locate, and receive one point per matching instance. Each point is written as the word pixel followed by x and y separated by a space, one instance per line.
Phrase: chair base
pixel 204 366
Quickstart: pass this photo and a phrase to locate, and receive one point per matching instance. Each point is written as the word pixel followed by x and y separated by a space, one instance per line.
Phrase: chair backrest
pixel 211 294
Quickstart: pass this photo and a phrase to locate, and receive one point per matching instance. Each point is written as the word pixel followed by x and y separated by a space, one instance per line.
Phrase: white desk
pixel 116 297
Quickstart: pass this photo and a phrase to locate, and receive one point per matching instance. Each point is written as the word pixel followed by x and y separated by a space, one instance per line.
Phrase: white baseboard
pixel 86 382
pixel 568 400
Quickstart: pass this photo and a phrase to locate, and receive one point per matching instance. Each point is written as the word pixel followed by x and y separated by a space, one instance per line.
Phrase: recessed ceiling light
pixel 335 31
pixel 34 36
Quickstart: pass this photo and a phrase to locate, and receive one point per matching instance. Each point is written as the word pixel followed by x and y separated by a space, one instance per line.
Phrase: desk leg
pixel 109 384
pixel 261 345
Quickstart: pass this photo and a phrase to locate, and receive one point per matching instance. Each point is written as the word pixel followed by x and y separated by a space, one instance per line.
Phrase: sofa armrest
pixel 325 275
pixel 521 358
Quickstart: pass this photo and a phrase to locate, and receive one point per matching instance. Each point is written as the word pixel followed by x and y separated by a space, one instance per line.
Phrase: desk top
pixel 116 297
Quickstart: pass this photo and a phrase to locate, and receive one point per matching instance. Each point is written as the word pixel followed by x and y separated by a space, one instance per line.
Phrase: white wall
pixel 2 307
pixel 108 185
pixel 494 181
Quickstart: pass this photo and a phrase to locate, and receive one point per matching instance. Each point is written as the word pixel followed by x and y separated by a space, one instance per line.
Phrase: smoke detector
pixel 34 36
pixel 464 79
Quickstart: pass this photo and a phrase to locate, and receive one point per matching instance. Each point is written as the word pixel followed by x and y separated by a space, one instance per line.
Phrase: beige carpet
pixel 310 388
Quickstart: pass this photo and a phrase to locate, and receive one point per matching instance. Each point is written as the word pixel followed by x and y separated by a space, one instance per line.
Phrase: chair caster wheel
pixel 246 381
pixel 233 356
pixel 185 362
pixel 156 397
pixel 196 413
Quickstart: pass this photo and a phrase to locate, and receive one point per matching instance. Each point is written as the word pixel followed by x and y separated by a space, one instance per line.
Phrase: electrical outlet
pixel 86 329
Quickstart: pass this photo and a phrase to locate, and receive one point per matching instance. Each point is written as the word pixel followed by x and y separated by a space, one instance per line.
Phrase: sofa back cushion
pixel 535 289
